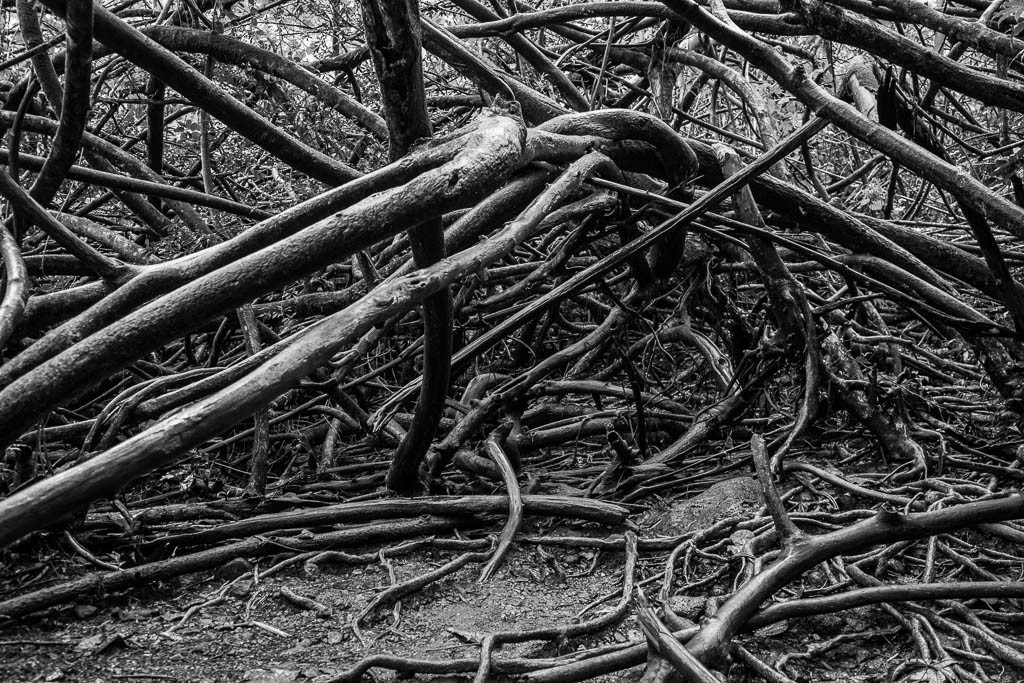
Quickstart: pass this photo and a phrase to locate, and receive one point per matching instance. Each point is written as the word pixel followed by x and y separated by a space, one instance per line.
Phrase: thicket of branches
pixel 268 249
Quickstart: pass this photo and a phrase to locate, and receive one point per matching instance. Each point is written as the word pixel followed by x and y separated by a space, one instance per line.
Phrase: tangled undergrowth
pixel 714 309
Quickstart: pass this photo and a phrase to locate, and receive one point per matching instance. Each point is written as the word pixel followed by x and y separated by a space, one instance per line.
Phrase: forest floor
pixel 232 624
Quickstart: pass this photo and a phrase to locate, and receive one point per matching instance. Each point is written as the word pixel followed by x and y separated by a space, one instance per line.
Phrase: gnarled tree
pixel 456 239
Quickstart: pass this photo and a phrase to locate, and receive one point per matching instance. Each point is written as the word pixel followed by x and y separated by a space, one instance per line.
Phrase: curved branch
pixel 104 151
pixel 74 110
pixel 485 162
pixel 233 51
pixel 172 70
pixel 393 35
pixel 532 54
pixel 885 527
pixel 839 25
pixel 29 209
pixel 442 43
pixel 154 281
pixel 12 306
pixel 778 24
pixel 32 34
pixel 972 33
pixel 827 604
pixel 956 181
pixel 767 130
pixel 173 436
pixel 155 189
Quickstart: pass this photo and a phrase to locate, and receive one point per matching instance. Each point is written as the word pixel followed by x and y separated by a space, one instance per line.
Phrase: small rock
pixel 85 611
pixel 687 607
pixel 90 643
pixel 240 589
pixel 233 569
pixel 724 499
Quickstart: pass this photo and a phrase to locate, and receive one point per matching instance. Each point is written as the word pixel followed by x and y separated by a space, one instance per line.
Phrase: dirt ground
pixel 256 634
